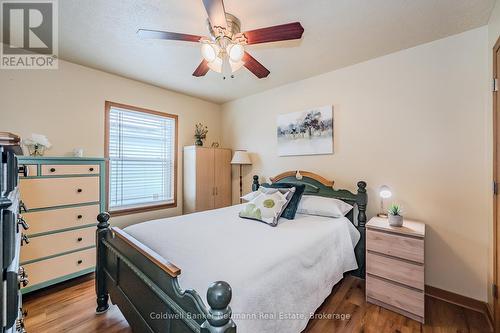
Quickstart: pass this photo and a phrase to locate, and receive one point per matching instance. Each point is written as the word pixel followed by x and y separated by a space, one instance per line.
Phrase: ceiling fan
pixel 224 51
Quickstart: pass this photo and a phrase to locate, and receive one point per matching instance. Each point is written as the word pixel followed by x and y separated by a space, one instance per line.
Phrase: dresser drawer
pixel 405 247
pixel 62 218
pixel 397 270
pixel 44 246
pixel 46 270
pixel 49 192
pixel 32 170
pixel 68 169
pixel 398 296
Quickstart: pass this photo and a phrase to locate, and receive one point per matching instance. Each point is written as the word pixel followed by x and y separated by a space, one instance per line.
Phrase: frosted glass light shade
pixel 235 65
pixel 241 157
pixel 208 52
pixel 216 65
pixel 385 192
pixel 236 52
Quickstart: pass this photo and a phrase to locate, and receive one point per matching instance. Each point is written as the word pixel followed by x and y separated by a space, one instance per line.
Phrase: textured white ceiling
pixel 102 34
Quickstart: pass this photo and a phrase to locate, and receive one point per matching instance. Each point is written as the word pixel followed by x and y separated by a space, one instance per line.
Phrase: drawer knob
pixel 91 169
pixel 79 262
pixel 79 190
pixel 79 239
pixel 79 217
pixel 52 169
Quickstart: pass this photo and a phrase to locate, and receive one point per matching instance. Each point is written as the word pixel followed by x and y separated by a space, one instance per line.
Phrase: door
pixel 496 174
pixel 205 188
pixel 222 177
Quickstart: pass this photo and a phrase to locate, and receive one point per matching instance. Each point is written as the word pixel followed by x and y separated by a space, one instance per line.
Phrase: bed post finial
pixel 362 202
pixel 219 315
pixel 255 184
pixel 100 283
pixel 103 219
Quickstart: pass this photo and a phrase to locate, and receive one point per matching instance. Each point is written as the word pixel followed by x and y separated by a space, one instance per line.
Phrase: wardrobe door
pixel 222 158
pixel 205 188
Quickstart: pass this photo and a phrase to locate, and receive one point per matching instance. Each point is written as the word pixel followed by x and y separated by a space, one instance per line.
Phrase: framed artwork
pixel 307 132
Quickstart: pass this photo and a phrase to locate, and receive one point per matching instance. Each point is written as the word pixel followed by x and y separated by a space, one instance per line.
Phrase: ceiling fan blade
pixel 254 66
pixel 202 69
pixel 216 12
pixel 274 34
pixel 144 33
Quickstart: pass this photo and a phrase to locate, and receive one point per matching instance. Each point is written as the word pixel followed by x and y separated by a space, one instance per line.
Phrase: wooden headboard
pixel 320 186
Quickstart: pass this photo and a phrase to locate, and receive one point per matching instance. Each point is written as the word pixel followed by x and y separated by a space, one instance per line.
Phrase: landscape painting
pixel 306 133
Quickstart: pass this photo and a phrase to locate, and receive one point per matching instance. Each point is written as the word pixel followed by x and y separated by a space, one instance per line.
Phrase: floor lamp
pixel 241 158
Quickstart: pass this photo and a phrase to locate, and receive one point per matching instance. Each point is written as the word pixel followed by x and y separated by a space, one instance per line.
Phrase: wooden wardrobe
pixel 207 178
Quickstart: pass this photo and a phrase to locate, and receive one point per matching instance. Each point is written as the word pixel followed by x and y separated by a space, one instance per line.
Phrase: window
pixel 141 147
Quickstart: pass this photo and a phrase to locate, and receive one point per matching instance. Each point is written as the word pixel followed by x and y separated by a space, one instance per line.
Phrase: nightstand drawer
pixel 46 270
pixel 62 218
pixel 53 244
pixel 65 169
pixel 32 170
pixel 50 192
pixel 405 247
pixel 397 270
pixel 406 299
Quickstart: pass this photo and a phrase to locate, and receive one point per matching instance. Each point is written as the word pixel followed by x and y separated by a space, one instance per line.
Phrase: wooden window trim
pixel 146 208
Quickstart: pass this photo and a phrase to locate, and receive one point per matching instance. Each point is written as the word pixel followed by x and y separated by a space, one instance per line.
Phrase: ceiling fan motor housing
pixel 233 28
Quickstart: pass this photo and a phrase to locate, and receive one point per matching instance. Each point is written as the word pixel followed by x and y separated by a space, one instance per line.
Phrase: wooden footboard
pixel 144 285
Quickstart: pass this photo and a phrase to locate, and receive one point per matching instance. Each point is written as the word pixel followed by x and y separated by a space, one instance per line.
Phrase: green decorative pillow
pixel 291 208
pixel 267 206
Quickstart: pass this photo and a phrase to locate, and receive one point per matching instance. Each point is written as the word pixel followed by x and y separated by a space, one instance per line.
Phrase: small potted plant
pixel 200 134
pixel 394 215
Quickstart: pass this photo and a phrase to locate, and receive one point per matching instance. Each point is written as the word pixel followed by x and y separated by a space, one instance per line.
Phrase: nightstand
pixel 395 267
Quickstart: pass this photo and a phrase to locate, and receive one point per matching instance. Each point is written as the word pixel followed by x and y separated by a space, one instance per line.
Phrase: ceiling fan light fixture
pixel 235 52
pixel 209 52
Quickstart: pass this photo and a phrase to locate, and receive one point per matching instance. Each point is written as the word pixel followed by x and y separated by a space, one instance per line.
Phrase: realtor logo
pixel 29 34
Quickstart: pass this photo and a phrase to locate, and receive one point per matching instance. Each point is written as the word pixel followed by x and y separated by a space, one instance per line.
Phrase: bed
pixel 267 279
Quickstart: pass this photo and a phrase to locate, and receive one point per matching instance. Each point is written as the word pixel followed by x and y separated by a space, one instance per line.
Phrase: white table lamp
pixel 385 193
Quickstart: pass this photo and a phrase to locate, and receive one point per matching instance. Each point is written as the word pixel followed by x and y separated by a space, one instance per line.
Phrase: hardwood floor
pixel 70 308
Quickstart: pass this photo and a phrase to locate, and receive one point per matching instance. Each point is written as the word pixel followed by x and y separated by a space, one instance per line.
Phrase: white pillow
pixel 322 206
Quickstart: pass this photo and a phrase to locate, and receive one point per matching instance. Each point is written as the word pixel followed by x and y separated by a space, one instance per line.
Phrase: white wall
pixel 416 120
pixel 67 105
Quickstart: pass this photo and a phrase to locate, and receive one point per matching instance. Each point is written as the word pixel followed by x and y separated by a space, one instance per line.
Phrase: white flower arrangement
pixel 37 144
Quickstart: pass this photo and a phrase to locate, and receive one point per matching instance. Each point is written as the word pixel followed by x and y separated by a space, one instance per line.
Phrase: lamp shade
pixel 241 157
pixel 385 192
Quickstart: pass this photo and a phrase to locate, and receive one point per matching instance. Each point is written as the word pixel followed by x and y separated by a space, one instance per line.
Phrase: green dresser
pixel 63 196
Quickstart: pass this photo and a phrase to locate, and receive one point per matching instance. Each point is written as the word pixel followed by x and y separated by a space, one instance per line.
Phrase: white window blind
pixel 141 159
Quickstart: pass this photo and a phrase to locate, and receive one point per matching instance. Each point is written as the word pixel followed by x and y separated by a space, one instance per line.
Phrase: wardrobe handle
pixel 216 191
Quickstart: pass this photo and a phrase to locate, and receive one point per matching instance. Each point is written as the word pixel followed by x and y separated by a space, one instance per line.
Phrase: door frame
pixel 496 199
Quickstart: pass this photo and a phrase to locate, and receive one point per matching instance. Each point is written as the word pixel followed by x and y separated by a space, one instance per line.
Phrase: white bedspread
pixel 279 276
